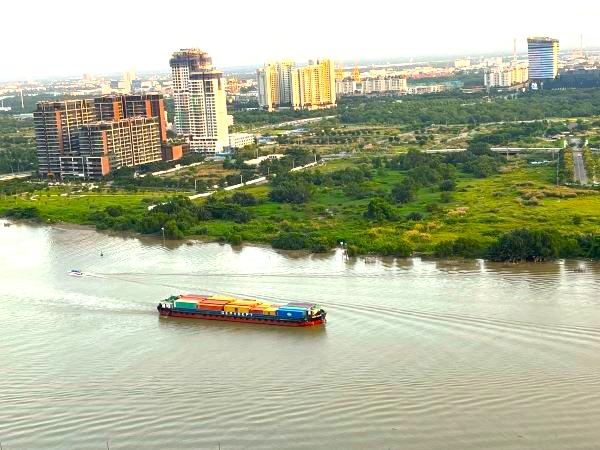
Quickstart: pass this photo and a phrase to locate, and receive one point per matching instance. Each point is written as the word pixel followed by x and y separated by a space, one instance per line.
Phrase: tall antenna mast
pixel 515 50
pixel 581 45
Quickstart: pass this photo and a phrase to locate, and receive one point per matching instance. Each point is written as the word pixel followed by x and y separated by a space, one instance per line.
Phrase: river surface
pixel 416 354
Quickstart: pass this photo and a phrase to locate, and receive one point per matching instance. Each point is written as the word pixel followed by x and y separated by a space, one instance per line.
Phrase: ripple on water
pixel 417 354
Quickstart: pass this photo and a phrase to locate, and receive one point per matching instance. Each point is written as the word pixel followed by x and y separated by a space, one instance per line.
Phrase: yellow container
pixel 263 305
pixel 244 302
pixel 236 309
pixel 270 312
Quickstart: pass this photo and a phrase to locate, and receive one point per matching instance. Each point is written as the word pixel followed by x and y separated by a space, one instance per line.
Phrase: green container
pixel 186 305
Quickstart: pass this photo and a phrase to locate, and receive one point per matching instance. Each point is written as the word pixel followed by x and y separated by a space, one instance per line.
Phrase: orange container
pixel 214 302
pixel 209 307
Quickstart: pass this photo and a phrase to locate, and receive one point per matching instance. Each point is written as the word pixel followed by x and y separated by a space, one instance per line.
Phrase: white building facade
pixel 241 140
pixel 200 102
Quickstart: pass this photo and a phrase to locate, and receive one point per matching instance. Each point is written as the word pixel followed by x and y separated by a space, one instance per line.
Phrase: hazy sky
pixel 64 37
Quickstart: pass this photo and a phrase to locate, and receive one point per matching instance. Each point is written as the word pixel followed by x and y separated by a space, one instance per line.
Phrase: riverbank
pixel 464 222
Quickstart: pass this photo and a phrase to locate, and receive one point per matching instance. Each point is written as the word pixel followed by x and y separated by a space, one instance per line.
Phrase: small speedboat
pixel 76 273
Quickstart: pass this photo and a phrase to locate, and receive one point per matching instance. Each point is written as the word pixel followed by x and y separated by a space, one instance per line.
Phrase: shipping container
pixel 291 312
pixel 245 302
pixel 215 302
pixel 270 311
pixel 209 307
pixel 184 304
pixel 239 309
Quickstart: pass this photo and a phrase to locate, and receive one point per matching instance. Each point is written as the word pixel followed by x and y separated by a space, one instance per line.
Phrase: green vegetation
pixel 252 118
pixel 566 170
pixel 382 205
pixel 455 108
pixel 17 145
pixel 592 164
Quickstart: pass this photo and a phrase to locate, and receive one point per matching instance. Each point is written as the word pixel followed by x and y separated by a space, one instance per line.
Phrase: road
pixel 579 172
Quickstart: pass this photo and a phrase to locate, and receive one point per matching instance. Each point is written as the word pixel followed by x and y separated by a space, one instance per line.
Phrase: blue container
pixel 286 312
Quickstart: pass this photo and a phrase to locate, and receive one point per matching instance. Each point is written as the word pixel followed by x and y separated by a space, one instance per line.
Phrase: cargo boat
pixel 220 307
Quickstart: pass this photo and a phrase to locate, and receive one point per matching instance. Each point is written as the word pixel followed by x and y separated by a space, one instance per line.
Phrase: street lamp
pixel 163 234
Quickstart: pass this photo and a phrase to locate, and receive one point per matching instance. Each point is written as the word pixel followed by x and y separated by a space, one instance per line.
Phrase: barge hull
pixel 165 312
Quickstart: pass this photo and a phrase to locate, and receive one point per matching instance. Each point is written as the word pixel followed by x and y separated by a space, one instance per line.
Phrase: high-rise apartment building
pixel 275 87
pixel 384 85
pixel 200 101
pixel 268 88
pixel 109 145
pixel 313 86
pixel 116 107
pixel 503 75
pixel 89 138
pixel 543 58
pixel 57 132
pixel 281 84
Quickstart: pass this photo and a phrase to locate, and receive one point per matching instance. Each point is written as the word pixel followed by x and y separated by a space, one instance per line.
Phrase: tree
pixel 479 148
pixel 378 209
pixel 525 245
pixel 414 216
pixel 289 188
pixel 404 191
pixel 482 167
pixel 447 185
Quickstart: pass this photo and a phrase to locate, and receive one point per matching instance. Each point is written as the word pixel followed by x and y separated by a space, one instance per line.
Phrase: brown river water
pixel 416 354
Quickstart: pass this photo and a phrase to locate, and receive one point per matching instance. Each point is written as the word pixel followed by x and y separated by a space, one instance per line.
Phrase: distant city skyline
pixel 42 42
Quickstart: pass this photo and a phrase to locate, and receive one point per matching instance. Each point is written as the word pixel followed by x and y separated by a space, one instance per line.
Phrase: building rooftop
pixel 541 39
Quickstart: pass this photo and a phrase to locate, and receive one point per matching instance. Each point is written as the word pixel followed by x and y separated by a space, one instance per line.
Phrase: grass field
pixel 57 206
